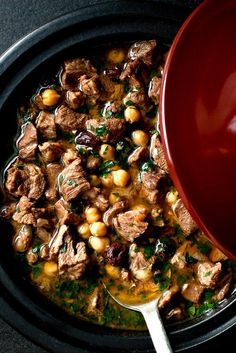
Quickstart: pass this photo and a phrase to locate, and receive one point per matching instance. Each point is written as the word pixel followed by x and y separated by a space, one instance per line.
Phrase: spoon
pixel 152 317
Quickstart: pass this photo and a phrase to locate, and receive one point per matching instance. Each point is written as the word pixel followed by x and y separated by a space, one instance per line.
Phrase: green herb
pixel 208 273
pixel 126 87
pixel 36 249
pixel 61 178
pixel 19 165
pixel 101 130
pixel 153 132
pixel 71 182
pixel 149 251
pixel 208 294
pixel 129 103
pixel 191 310
pixel 159 218
pixel 63 248
pixel 82 151
pixel 131 224
pixel 163 282
pixel 105 151
pixel 204 247
pixel 120 287
pixel 204 307
pixel 152 112
pixel 67 289
pixel 106 167
pixel 147 166
pixel 37 270
pixel 190 259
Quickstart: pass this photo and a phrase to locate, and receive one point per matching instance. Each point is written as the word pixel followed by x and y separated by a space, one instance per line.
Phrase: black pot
pixel 21 67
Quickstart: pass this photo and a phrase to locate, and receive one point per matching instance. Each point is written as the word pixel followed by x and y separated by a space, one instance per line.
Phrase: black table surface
pixel 17 18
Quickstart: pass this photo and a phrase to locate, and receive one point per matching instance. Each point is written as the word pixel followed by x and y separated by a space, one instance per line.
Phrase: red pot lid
pixel 198 119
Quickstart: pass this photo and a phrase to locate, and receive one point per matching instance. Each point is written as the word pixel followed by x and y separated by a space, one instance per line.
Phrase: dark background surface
pixel 17 18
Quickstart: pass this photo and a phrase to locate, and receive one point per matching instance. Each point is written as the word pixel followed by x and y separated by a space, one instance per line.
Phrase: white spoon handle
pixel 156 329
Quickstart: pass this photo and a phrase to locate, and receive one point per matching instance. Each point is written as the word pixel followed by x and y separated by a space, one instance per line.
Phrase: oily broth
pixel 77 296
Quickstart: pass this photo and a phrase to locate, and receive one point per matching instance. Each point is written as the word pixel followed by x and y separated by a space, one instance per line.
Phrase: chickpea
pixel 116 55
pixel 114 197
pixel 50 97
pixel 84 230
pixel 107 181
pixel 107 152
pixel 140 138
pixel 94 180
pixel 113 271
pixel 98 229
pixel 99 244
pixel 132 114
pixel 50 268
pixel 92 214
pixel 121 177
pixel 171 196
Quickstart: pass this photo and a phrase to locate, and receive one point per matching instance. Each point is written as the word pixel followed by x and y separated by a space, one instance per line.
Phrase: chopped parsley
pixel 147 166
pixel 37 270
pixel 71 182
pixel 101 130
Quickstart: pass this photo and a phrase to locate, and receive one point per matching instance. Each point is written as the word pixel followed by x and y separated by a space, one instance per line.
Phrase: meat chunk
pixel 69 120
pixel 138 96
pixel 74 99
pixel 150 180
pixel 130 225
pixel 43 234
pixel 53 170
pixel 28 181
pixel 72 181
pixel 72 263
pixel 93 162
pixel 223 287
pixel 70 156
pixel 90 86
pixel 192 291
pixel 73 70
pixel 24 213
pixel 64 213
pixel 118 207
pixel 96 198
pixel 139 266
pixel 143 51
pixel 28 141
pixel 208 273
pixel 46 125
pixel 167 296
pixel 183 252
pixel 51 151
pixel 157 153
pixel 154 89
pixel 183 217
pixel 116 254
pixel 150 195
pixel 130 69
pixel 137 155
pixel 57 241
pixel 109 130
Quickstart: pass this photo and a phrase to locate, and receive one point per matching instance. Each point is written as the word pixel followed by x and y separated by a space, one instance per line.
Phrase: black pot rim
pixel 17 308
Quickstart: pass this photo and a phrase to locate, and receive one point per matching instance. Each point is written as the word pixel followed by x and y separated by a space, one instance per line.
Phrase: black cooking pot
pixel 21 68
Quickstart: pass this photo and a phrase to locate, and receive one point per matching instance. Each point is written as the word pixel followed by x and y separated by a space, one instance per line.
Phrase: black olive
pixel 86 138
pixel 165 248
pixel 116 254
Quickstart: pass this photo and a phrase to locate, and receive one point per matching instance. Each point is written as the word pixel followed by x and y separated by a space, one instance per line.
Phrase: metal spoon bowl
pixel 153 320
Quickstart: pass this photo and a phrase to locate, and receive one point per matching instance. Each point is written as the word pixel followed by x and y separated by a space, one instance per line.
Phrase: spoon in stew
pixel 153 320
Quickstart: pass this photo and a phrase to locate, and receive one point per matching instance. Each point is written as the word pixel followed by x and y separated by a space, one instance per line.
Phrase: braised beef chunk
pixel 138 154
pixel 72 181
pixel 53 170
pixel 28 181
pixel 46 125
pixel 73 70
pixel 140 267
pixel 51 151
pixel 150 180
pixel 118 207
pixel 183 217
pixel 64 213
pixel 157 153
pixel 90 199
pixel 154 89
pixel 208 273
pixel 130 225
pixel 143 51
pixel 192 291
pixel 69 120
pixel 72 262
pixel 90 86
pixel 28 142
pixel 110 130
pixel 74 99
